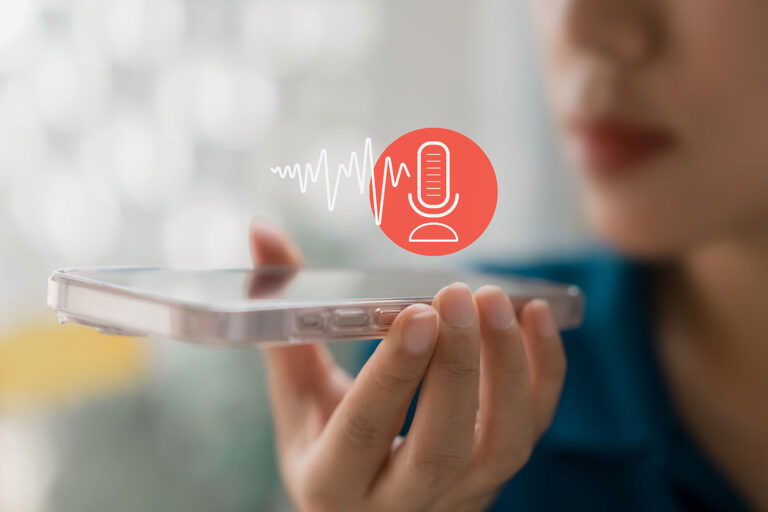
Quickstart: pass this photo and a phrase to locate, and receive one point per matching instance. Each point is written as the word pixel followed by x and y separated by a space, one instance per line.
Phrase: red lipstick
pixel 612 146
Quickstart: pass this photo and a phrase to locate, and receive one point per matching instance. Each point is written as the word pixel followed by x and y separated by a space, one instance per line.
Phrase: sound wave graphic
pixel 363 172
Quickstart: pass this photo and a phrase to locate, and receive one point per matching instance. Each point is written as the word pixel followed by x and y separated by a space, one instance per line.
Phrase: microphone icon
pixel 433 194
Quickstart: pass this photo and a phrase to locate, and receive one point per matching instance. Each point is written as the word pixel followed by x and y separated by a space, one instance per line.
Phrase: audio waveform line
pixel 309 174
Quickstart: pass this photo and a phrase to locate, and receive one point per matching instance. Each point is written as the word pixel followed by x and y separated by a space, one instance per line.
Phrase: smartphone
pixel 270 305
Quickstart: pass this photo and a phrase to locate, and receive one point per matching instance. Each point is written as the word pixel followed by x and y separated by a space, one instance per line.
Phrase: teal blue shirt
pixel 615 442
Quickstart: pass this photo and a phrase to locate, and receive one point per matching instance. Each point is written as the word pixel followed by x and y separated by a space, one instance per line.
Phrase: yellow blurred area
pixel 44 363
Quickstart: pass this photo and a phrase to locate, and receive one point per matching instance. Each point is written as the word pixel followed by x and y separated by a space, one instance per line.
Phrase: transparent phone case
pixel 107 299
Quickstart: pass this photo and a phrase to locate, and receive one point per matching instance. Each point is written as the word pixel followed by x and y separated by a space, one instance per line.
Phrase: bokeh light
pixel 284 35
pixel 143 32
pixel 17 17
pixel 209 233
pixel 70 87
pixel 218 101
pixel 151 169
pixel 82 223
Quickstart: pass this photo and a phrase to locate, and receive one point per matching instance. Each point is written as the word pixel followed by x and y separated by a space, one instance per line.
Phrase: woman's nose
pixel 624 30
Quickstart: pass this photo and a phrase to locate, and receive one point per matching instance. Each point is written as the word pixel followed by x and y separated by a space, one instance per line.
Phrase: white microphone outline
pixel 424 204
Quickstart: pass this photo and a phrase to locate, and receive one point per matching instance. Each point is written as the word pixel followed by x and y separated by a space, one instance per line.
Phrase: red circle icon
pixel 433 191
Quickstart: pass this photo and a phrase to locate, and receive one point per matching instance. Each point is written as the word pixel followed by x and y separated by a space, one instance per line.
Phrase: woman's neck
pixel 723 290
pixel 713 346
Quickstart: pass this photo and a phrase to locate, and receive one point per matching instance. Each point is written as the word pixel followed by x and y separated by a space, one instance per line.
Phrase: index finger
pixel 296 374
pixel 271 246
pixel 359 435
pixel 439 443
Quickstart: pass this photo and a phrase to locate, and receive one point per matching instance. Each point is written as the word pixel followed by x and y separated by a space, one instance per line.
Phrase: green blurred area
pixel 93 422
pixel 193 438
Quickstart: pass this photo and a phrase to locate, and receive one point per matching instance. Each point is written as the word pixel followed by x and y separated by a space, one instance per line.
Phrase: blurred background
pixel 141 132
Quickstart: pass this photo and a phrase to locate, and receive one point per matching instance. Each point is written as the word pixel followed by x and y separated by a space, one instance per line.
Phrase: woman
pixel 664 106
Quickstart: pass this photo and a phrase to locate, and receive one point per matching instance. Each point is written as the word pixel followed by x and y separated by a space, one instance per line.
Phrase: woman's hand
pixel 490 387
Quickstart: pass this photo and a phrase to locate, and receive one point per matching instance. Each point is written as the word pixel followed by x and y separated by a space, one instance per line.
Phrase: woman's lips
pixel 611 146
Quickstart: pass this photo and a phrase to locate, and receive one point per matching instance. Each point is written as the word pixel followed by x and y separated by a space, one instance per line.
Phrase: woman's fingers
pixel 468 351
pixel 506 429
pixel 302 379
pixel 439 443
pixel 522 369
pixel 358 438
pixel 300 375
pixel 546 358
pixel 271 246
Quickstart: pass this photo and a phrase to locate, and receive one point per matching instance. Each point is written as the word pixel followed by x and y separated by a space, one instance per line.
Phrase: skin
pixel 697 69
pixel 694 68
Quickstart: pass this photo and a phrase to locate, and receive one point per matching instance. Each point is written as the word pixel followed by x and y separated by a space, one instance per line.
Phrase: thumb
pixel 271 246
pixel 295 373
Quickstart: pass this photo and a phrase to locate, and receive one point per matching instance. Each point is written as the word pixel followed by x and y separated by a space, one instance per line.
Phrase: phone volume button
pixel 350 318
pixel 383 317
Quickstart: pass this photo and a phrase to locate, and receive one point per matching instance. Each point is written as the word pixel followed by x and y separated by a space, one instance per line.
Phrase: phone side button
pixel 383 317
pixel 311 321
pixel 350 318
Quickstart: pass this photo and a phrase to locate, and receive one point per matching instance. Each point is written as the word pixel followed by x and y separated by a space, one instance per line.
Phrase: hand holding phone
pixel 490 385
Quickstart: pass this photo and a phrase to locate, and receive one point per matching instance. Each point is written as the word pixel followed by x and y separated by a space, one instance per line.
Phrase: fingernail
pixel 496 310
pixel 268 233
pixel 420 330
pixel 457 306
pixel 545 324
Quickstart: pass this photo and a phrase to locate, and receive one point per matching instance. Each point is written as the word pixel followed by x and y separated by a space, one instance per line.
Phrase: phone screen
pixel 296 286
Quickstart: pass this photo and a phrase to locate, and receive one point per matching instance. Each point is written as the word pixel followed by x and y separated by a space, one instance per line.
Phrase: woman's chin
pixel 642 237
